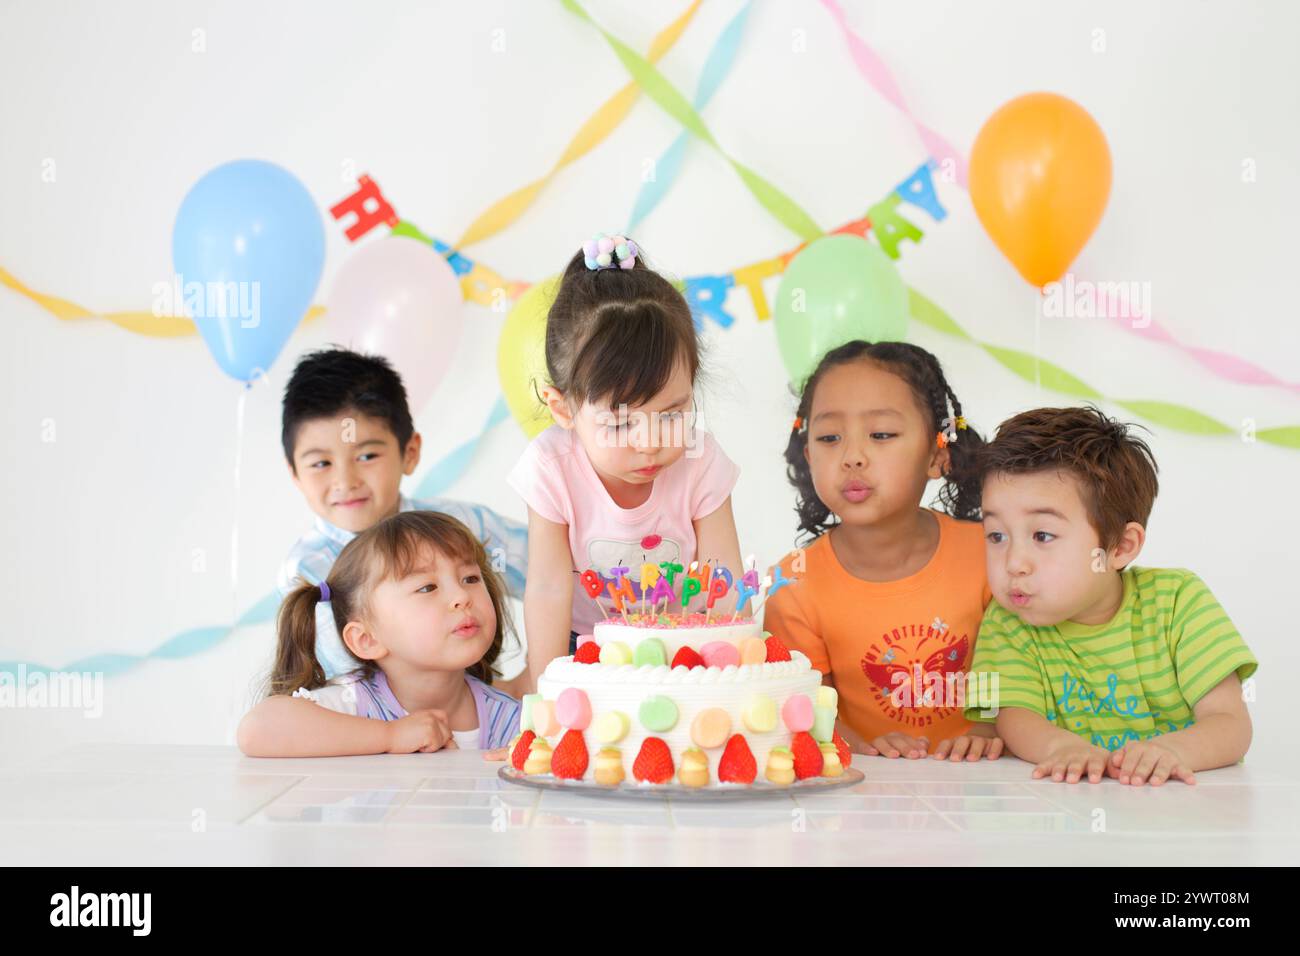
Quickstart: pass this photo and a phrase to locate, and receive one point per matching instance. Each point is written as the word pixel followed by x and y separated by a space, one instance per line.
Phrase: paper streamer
pixel 185 644
pixel 141 323
pixel 716 66
pixel 444 473
pixel 875 72
pixel 599 125
pixel 655 86
pixel 447 472
pixel 872 67
pixel 1053 377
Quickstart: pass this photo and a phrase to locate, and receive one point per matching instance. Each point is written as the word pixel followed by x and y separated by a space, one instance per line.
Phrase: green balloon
pixel 838 289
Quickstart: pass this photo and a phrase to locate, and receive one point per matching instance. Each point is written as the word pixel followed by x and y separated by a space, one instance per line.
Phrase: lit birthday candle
pixel 690 586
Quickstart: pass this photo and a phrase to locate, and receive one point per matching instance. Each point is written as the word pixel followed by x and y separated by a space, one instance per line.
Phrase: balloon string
pixel 234 524
pixel 1038 351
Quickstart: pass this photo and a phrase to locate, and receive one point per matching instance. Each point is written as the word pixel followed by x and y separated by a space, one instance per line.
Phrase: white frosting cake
pixel 615 705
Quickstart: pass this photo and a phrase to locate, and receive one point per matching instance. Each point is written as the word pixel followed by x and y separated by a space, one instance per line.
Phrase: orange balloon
pixel 1039 179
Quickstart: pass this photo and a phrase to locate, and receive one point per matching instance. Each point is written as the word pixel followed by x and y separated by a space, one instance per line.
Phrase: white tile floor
pixel 210 805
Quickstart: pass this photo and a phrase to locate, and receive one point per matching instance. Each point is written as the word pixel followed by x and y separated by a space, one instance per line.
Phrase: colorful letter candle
pixel 620 589
pixel 649 575
pixel 748 589
pixel 592 582
pixel 778 581
pixel 690 588
pixel 718 588
pixel 663 591
pixel 671 569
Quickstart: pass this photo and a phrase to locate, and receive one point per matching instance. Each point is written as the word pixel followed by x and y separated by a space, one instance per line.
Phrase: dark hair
pixel 959 494
pixel 333 380
pixel 615 334
pixel 384 551
pixel 1116 470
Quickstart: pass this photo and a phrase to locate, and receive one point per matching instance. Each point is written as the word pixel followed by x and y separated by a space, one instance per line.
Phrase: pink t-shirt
pixel 556 479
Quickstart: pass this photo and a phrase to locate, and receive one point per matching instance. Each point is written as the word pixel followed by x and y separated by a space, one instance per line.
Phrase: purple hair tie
pixel 324 591
pixel 609 252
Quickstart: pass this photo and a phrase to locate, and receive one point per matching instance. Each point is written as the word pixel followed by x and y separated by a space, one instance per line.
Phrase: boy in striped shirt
pixel 1101 668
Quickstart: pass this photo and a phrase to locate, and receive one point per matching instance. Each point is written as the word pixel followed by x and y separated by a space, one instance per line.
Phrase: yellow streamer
pixel 613 111
pixel 141 323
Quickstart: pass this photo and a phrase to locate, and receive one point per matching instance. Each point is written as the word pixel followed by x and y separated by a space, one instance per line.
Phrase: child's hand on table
pixel 500 753
pixel 1148 761
pixel 421 732
pixel 1071 759
pixel 896 744
pixel 968 747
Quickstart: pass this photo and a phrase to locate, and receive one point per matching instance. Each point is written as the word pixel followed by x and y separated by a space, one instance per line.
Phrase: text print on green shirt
pixel 1137 676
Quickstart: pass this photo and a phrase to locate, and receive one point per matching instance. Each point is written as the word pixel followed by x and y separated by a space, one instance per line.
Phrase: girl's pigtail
pixel 961 491
pixel 295 653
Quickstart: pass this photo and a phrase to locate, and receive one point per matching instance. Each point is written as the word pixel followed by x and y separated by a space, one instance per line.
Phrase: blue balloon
pixel 248 247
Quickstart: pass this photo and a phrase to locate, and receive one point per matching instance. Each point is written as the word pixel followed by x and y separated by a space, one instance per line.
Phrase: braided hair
pixel 959 495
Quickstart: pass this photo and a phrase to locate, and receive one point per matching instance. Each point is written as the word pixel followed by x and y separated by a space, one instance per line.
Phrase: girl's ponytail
pixel 295 653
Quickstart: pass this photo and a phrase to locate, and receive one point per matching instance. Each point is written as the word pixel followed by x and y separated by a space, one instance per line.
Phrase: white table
pixel 125 805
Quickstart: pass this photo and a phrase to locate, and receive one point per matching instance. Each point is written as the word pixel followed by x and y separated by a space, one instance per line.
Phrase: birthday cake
pixel 656 698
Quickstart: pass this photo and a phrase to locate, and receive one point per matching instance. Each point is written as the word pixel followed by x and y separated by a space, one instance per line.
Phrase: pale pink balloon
pixel 398 298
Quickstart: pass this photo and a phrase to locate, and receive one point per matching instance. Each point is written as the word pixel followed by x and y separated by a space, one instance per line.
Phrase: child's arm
pixel 283 726
pixel 1056 752
pixel 1219 738
pixel 716 541
pixel 548 598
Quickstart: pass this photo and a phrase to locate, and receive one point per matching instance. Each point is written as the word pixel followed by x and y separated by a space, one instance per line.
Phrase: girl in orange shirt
pixel 888 598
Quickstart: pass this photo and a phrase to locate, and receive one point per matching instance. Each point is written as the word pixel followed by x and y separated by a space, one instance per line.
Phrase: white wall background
pixel 100 525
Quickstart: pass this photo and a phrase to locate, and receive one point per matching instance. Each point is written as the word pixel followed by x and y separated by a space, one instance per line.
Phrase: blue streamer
pixel 716 66
pixel 446 472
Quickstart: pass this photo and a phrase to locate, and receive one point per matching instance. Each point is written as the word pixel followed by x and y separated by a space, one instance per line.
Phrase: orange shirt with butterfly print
pixel 890 646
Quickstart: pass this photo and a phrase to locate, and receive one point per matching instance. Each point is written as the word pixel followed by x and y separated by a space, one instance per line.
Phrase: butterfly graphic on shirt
pixel 900 667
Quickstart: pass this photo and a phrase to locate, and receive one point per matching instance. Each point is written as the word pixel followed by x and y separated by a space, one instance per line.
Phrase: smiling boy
pixel 1103 668
pixel 349 439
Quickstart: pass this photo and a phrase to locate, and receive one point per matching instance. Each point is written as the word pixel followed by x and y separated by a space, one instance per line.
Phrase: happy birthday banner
pixel 707 296
pixel 877 74
pixel 368 208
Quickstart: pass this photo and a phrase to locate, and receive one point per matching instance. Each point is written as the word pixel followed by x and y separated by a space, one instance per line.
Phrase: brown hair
pixel 388 550
pixel 1116 470
pixel 959 495
pixel 616 334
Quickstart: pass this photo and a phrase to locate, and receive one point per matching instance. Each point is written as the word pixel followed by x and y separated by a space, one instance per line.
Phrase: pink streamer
pixel 877 74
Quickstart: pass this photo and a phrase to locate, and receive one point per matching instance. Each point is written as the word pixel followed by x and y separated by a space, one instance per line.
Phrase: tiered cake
pixel 657 698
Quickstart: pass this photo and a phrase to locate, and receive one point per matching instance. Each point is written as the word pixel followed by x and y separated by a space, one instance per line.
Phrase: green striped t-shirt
pixel 1137 676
